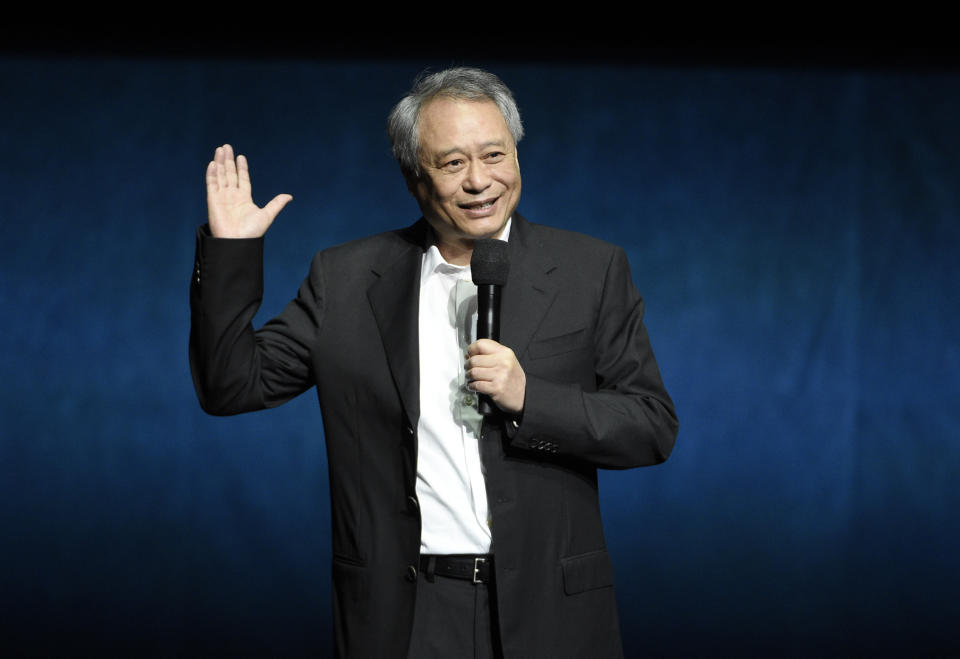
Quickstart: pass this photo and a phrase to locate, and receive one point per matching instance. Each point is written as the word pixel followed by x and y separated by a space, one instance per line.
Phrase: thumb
pixel 273 208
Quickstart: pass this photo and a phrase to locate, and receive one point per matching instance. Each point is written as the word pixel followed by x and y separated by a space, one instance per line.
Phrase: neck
pixel 456 253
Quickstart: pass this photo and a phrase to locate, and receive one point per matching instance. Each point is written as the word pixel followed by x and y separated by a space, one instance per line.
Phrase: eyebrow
pixel 444 154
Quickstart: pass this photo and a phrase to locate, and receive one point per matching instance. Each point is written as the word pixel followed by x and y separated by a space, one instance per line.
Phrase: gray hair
pixel 403 125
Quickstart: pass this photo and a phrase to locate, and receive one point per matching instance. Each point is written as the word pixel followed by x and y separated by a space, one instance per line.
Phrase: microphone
pixel 489 266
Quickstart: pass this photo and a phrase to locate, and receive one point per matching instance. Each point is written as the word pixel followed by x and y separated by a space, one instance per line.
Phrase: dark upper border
pixel 722 48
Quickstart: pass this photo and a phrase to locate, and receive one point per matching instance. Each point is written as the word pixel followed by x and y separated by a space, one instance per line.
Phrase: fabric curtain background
pixel 794 234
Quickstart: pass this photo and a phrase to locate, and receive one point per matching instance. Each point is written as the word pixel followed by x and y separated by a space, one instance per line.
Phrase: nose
pixel 477 178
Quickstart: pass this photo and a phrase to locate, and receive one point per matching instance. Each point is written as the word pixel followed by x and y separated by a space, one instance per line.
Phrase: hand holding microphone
pixel 492 368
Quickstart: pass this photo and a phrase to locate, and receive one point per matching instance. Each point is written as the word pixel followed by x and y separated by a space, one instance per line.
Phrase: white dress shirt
pixel 450 475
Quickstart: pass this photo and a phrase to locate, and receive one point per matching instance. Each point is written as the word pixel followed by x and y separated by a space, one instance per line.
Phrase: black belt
pixel 478 569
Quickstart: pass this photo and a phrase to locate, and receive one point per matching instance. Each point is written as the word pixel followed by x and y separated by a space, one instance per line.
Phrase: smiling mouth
pixel 479 206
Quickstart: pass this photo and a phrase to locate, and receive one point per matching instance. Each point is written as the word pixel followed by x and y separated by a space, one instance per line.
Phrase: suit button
pixel 409 430
pixel 413 504
pixel 411 573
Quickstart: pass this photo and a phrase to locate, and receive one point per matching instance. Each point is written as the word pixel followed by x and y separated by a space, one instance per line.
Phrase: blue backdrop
pixel 794 234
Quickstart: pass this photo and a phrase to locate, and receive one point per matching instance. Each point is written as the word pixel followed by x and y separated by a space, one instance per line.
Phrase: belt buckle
pixel 476 568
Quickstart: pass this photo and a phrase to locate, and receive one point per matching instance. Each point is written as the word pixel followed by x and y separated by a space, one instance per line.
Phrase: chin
pixel 466 230
pixel 488 230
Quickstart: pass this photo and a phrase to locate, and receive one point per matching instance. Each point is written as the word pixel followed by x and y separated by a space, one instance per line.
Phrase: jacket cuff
pixel 552 420
pixel 233 267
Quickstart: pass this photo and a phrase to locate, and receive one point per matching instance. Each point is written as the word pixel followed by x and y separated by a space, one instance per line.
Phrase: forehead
pixel 452 123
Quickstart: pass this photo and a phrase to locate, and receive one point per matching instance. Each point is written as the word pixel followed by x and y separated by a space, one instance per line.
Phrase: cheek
pixel 443 188
pixel 509 176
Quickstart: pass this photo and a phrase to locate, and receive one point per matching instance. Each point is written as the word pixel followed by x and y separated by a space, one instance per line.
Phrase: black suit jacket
pixel 594 399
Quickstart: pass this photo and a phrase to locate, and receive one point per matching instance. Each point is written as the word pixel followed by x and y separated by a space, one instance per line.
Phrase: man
pixel 453 535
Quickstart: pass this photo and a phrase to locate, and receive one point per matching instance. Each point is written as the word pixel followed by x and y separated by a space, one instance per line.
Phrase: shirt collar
pixel 433 262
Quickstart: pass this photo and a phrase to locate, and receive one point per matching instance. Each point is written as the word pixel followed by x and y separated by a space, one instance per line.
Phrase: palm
pixel 230 206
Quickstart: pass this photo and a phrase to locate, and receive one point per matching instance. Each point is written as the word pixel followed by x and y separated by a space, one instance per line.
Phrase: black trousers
pixel 454 619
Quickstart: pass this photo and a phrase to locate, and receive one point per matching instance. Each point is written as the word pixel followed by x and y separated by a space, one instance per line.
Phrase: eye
pixel 453 165
pixel 493 156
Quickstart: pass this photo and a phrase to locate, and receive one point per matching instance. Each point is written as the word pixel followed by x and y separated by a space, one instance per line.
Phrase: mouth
pixel 479 208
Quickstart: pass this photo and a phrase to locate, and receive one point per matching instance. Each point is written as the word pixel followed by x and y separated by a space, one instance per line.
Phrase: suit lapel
pixel 529 291
pixel 395 300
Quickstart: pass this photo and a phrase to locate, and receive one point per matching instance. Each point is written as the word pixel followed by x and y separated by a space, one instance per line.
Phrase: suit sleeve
pixel 236 369
pixel 628 420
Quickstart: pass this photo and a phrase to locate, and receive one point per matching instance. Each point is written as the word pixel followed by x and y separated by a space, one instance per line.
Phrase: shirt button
pixel 411 573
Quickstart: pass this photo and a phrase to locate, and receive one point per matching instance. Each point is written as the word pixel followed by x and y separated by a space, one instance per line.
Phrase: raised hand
pixel 230 206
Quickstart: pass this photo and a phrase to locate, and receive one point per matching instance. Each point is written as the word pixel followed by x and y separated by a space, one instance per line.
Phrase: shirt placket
pixel 466 323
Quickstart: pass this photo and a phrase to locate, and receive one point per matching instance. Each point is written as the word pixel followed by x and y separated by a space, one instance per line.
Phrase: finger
pixel 230 166
pixel 482 374
pixel 499 354
pixel 276 205
pixel 211 176
pixel 484 361
pixel 243 172
pixel 221 175
pixel 483 387
pixel 483 347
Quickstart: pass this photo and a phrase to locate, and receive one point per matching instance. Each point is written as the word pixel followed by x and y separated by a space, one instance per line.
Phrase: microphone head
pixel 490 263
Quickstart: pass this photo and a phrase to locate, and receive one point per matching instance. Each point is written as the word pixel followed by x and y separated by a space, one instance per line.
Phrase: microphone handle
pixel 488 327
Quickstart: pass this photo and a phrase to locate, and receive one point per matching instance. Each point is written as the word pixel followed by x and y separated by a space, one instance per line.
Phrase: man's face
pixel 470 183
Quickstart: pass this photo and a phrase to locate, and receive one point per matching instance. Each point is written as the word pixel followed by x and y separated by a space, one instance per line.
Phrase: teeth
pixel 480 206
